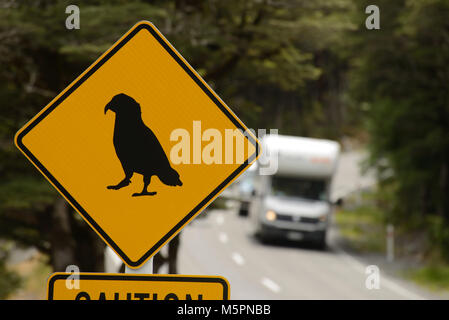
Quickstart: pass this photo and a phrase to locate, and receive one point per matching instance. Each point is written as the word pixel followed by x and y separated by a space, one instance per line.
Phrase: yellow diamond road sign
pixel 110 286
pixel 138 144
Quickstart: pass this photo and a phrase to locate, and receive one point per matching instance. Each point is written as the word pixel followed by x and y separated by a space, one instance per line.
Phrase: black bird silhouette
pixel 137 148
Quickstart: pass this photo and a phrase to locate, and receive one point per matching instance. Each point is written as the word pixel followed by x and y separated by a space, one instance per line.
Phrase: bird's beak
pixel 108 107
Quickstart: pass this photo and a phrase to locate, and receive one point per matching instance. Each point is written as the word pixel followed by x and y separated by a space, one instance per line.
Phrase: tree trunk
pixel 173 254
pixel 171 258
pixel 61 240
pixel 90 250
pixel 73 242
pixel 443 207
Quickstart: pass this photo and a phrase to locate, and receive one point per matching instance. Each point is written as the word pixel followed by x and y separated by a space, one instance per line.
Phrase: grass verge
pixel 434 277
pixel 362 229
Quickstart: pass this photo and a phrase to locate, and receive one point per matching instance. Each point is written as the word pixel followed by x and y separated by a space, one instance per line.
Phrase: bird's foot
pixel 122 184
pixel 144 193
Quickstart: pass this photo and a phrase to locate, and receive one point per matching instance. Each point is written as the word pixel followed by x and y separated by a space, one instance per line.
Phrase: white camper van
pixel 294 202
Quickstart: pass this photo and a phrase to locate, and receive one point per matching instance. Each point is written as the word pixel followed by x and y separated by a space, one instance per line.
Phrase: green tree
pixel 401 81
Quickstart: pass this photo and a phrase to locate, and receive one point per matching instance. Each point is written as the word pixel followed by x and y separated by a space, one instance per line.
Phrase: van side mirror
pixel 338 202
pixel 257 194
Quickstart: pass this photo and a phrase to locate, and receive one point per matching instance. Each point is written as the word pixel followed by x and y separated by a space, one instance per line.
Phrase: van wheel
pixel 261 237
pixel 243 210
pixel 321 243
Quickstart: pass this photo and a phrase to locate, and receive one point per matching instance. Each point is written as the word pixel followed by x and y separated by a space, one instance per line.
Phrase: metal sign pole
pixel 146 268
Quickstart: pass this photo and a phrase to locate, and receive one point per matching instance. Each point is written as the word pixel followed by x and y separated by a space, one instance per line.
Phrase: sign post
pixel 147 268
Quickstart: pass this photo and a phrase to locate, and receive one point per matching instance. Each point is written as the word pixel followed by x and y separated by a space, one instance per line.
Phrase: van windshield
pixel 299 187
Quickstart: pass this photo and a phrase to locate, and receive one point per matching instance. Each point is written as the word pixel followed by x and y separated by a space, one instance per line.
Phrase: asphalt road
pixel 220 244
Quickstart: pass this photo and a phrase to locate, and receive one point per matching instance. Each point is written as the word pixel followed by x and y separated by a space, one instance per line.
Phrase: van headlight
pixel 323 218
pixel 270 215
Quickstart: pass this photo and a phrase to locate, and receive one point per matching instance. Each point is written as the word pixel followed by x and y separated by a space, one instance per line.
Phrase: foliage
pixel 434 277
pixel 9 280
pixel 362 228
pixel 400 77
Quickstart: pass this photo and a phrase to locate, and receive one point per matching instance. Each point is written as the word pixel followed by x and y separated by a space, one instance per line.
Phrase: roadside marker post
pixel 390 243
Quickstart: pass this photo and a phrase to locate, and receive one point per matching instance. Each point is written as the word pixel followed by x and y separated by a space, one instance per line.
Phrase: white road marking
pixel 238 258
pixel 223 237
pixel 270 284
pixel 219 219
pixel 384 280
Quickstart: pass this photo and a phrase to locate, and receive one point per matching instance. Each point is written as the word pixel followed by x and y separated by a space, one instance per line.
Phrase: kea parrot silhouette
pixel 137 147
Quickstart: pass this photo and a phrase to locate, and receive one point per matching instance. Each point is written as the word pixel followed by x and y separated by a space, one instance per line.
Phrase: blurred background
pixel 307 68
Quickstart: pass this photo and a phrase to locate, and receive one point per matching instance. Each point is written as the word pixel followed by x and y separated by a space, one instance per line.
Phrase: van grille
pixel 285 217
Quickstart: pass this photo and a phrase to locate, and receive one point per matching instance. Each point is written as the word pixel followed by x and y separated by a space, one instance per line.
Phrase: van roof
pixel 302 145
pixel 300 156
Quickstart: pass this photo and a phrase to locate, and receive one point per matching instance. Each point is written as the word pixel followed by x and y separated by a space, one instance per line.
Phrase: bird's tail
pixel 170 177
